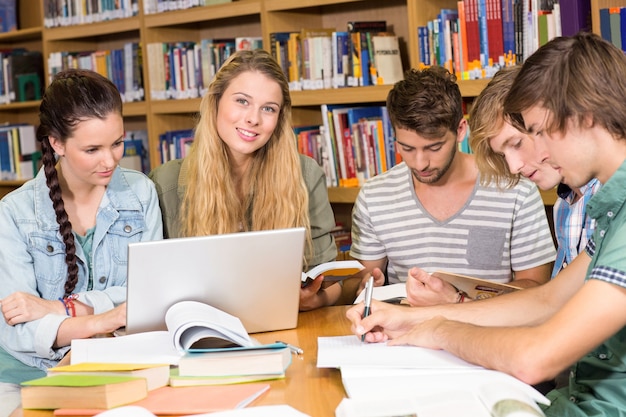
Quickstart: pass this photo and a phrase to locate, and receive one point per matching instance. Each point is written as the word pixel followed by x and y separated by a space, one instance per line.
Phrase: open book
pixel 192 327
pixel 423 382
pixel 475 288
pixel 333 271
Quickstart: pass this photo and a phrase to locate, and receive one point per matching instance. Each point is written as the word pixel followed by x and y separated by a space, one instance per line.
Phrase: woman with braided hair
pixel 64 234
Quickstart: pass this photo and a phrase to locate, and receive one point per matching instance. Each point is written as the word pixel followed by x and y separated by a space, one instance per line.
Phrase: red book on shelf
pixel 494 28
pixel 473 36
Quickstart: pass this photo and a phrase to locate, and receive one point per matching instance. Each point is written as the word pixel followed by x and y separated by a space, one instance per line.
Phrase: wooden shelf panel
pixel 135 108
pixel 22 35
pixel 92 30
pixel 175 106
pixel 21 105
pixel 202 14
pixel 277 5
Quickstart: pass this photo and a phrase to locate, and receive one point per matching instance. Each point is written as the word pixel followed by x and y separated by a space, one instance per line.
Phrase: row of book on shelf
pixel 613 26
pixel 78 12
pixel 481 36
pixel 352 145
pixel 363 54
pixel 183 70
pixel 123 66
pixel 20 155
pixel 21 75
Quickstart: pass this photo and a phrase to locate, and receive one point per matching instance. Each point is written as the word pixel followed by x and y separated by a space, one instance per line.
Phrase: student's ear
pixel 57 145
pixel 461 131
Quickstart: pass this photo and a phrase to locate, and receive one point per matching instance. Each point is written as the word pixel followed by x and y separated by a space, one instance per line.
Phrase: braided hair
pixel 73 96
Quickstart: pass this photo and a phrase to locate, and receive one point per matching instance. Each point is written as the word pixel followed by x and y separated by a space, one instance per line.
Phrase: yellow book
pixel 82 391
pixel 156 375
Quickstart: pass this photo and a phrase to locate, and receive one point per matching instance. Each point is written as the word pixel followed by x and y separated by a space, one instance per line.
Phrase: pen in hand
pixel 369 288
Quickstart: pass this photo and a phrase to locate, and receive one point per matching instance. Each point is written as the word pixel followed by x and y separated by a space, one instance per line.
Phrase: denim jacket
pixel 32 256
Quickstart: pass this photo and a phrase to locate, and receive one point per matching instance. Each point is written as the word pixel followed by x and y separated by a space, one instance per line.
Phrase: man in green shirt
pixel 569 95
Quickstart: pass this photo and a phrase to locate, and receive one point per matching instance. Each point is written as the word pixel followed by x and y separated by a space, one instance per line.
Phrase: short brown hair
pixel 574 77
pixel 427 102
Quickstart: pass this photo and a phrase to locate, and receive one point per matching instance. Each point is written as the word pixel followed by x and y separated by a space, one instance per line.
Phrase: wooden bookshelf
pixel 237 18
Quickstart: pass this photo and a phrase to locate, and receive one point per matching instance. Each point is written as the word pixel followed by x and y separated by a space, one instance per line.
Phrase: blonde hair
pixel 276 196
pixel 486 120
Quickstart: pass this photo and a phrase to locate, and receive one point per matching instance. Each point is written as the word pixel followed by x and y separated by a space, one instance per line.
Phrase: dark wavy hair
pixel 73 96
pixel 427 102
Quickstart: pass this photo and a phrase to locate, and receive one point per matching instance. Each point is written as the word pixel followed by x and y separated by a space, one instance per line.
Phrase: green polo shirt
pixel 598 381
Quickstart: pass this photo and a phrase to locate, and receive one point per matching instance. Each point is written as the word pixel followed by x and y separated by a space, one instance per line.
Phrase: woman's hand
pixel 21 307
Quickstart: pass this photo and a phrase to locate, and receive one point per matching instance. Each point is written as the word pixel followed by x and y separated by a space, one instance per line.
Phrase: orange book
pixel 463 35
pixel 167 401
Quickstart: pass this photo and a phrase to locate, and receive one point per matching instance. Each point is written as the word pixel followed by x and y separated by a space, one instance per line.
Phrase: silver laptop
pixel 254 276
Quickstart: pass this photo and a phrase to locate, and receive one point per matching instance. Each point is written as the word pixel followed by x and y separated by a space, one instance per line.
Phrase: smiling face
pixel 92 152
pixel 525 157
pixel 248 113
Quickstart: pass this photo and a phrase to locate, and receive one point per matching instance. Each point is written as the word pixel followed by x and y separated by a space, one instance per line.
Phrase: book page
pixel 144 348
pixel 341 351
pixel 388 293
pixel 368 381
pixel 508 400
pixel 444 404
pixel 201 326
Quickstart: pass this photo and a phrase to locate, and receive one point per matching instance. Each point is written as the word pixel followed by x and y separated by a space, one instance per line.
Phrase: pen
pixel 369 288
pixel 293 348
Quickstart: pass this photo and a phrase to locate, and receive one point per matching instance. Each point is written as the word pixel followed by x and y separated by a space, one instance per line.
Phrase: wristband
pixel 67 312
pixel 460 297
pixel 68 303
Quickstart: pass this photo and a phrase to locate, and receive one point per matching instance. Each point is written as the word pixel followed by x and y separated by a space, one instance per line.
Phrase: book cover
pixel 475 288
pixel 188 400
pixel 575 16
pixel 483 30
pixel 156 375
pixel 82 391
pixel 235 362
pixel 616 26
pixel 473 33
pixel 367 26
pixel 387 58
pixel 334 270
pixel 177 380
pixel 26 69
pixel 508 27
pixel 495 29
pixel 330 144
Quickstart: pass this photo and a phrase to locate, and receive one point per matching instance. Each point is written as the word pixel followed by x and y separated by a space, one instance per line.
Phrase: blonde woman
pixel 244 173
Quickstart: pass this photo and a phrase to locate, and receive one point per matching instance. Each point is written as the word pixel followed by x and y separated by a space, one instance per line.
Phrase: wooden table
pixel 313 391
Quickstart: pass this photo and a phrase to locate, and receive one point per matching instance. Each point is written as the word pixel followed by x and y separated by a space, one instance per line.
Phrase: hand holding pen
pixel 369 288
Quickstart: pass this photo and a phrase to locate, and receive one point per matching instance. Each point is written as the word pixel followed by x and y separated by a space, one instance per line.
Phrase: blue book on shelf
pixel 8 15
pixel 622 15
pixel 483 32
pixel 605 24
pixel 508 27
pixel 6 170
